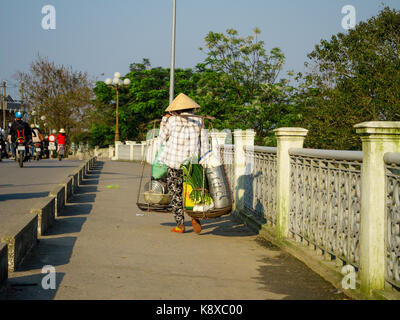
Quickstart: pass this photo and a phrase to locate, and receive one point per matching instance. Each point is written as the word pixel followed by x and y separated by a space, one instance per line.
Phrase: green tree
pixel 60 93
pixel 145 100
pixel 352 78
pixel 246 86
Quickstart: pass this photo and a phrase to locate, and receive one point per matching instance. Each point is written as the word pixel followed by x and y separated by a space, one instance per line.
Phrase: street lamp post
pixel 172 70
pixel 116 84
pixel 4 103
pixel 21 107
pixel 33 113
pixel 43 118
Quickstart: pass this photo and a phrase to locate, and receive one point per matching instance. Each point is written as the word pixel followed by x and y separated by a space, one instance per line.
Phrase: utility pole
pixel 4 103
pixel 21 108
pixel 172 71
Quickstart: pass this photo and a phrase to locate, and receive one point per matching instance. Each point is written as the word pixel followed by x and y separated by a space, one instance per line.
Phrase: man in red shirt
pixel 60 140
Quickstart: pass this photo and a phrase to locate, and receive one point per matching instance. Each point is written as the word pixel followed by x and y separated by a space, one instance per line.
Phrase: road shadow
pixel 30 287
pixel 283 274
pixel 92 177
pixel 245 183
pixel 76 209
pixel 50 250
pixel 225 226
pixel 84 195
pixel 22 196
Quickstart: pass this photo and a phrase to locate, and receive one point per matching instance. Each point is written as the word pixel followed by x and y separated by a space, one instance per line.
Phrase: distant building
pixel 12 106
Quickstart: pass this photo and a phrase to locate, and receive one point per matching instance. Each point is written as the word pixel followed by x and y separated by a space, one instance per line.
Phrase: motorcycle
pixel 60 151
pixel 20 151
pixel 52 147
pixel 46 152
pixel 37 151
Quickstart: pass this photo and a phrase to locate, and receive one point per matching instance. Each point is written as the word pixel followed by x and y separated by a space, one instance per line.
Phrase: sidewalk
pixel 105 248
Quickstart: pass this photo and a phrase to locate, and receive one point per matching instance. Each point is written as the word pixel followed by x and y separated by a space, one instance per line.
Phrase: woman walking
pixel 184 141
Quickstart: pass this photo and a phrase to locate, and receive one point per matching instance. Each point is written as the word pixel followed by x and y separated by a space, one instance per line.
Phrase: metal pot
pixel 219 187
pixel 155 192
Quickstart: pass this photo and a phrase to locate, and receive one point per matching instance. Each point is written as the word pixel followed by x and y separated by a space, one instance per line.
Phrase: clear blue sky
pixel 104 36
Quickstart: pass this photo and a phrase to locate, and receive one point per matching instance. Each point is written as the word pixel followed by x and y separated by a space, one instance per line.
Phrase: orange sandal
pixel 196 225
pixel 179 229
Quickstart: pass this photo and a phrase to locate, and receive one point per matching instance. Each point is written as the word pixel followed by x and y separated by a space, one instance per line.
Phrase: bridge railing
pixel 345 205
pixel 260 185
pixel 392 234
pixel 325 188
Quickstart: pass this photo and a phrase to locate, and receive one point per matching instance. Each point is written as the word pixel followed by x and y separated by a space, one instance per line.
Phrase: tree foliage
pixel 145 100
pixel 352 78
pixel 244 82
pixel 60 93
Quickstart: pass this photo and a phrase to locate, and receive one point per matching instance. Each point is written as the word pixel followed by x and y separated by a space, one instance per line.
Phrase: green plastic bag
pixel 159 171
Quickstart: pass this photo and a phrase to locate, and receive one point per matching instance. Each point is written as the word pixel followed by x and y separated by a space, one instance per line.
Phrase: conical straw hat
pixel 182 102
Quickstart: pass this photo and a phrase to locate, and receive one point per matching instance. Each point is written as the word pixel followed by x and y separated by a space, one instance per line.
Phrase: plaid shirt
pixel 180 136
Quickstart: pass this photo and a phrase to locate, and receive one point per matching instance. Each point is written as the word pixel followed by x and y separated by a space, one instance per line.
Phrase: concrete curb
pixel 75 181
pixel 68 188
pixel 3 264
pixel 46 212
pixel 20 240
pixel 59 194
pixel 80 176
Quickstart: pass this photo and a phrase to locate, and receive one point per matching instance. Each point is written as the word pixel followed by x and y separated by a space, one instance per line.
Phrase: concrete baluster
pixel 286 138
pixel 243 165
pixel 378 137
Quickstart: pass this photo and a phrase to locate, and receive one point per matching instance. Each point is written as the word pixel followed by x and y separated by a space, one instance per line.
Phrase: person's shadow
pixel 247 183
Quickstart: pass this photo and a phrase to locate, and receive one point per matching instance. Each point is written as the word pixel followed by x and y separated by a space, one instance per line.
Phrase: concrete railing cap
pixel 291 131
pixel 379 127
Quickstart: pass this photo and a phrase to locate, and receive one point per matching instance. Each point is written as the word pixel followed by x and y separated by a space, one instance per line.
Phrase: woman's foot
pixel 179 229
pixel 196 225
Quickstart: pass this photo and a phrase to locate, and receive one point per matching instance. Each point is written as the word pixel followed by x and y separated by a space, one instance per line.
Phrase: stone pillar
pixel 110 151
pixel 218 139
pixel 242 167
pixel 117 144
pixel 131 146
pixel 286 138
pixel 143 144
pixel 378 137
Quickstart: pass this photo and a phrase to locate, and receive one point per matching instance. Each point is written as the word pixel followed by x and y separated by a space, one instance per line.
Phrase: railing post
pixel 286 138
pixel 241 139
pixel 378 137
pixel 117 144
pixel 131 152
pixel 218 138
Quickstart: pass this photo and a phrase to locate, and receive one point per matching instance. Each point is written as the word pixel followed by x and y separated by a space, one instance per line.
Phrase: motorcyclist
pixel 20 128
pixel 61 140
pixel 36 137
pixel 46 147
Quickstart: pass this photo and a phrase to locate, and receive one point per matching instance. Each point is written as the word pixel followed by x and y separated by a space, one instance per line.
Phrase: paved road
pixel 20 188
pixel 103 247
